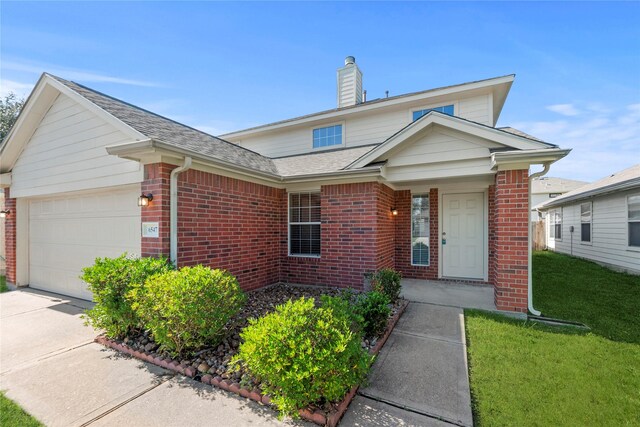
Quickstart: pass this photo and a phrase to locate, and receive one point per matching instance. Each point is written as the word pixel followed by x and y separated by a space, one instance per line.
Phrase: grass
pixel 574 289
pixel 11 415
pixel 526 373
pixel 3 284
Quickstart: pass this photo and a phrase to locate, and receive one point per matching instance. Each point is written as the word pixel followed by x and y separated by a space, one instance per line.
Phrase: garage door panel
pixel 68 233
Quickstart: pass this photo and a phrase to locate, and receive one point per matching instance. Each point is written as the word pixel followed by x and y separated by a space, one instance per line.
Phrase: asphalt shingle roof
pixel 173 133
pixel 320 162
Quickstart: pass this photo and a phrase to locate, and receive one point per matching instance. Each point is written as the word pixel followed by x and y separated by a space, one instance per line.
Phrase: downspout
pixel 530 240
pixel 173 209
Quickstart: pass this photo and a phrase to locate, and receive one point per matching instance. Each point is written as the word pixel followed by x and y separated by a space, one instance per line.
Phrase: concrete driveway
pixel 51 367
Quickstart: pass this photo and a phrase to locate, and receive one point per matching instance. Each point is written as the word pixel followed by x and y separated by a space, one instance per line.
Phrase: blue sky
pixel 227 66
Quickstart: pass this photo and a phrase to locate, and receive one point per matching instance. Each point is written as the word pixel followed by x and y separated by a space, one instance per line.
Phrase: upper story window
pixel 633 216
pixel 327 136
pixel 446 109
pixel 585 221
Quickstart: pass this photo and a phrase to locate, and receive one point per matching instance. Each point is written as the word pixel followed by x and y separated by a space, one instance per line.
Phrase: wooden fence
pixel 538 240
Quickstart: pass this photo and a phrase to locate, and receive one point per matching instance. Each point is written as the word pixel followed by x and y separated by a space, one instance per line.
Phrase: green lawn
pixel 11 415
pixel 529 374
pixel 3 284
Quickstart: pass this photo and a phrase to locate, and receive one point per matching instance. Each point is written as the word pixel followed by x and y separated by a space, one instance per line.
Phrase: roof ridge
pixel 64 81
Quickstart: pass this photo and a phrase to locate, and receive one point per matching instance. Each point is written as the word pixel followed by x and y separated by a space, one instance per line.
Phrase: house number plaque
pixel 150 229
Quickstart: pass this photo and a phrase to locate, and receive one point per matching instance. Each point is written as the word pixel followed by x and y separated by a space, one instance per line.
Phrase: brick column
pixel 510 243
pixel 156 182
pixel 10 236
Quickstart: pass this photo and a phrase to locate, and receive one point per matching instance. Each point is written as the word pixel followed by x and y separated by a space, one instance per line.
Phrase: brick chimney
pixel 349 83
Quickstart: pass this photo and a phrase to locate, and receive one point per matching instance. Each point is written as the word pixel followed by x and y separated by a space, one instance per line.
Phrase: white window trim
pixel 328 125
pixel 411 232
pixel 430 106
pixel 590 242
pixel 300 223
pixel 553 225
pixel 627 221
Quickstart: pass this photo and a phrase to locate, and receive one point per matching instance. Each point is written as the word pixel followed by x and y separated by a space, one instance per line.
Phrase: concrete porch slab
pixel 450 294
pixel 72 388
pixel 183 402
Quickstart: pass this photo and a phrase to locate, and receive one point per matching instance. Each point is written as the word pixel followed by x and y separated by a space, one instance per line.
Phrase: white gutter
pixel 173 209
pixel 530 241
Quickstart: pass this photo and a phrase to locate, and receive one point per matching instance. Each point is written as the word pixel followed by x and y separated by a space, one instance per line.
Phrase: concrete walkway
pixel 50 366
pixel 420 377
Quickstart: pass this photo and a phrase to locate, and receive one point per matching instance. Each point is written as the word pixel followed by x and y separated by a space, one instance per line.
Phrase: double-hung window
pixel 585 221
pixel 327 136
pixel 633 217
pixel 555 230
pixel 446 109
pixel 420 230
pixel 304 224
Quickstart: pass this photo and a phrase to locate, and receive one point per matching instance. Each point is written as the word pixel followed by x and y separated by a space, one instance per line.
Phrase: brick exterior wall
pixel 10 236
pixel 510 241
pixel 403 237
pixel 491 209
pixel 357 237
pixel 156 182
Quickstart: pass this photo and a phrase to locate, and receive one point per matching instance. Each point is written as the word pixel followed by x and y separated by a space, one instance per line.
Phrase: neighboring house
pixel 2 250
pixel 599 221
pixel 421 182
pixel 545 188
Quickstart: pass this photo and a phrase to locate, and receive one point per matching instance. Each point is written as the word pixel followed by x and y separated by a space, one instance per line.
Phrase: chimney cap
pixel 349 60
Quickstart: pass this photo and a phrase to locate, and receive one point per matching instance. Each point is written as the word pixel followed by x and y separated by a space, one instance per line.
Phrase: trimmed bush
pixel 188 309
pixel 110 279
pixel 373 308
pixel 302 354
pixel 387 282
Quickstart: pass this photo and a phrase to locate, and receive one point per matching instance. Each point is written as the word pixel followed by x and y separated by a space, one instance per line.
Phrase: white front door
pixel 463 236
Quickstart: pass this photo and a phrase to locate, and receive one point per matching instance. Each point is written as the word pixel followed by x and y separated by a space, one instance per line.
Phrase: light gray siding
pixel 609 233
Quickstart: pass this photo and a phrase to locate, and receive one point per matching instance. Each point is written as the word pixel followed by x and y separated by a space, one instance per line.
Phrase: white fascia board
pixel 451 122
pixel 510 160
pixel 5 180
pixel 401 99
pixel 143 149
pixel 563 200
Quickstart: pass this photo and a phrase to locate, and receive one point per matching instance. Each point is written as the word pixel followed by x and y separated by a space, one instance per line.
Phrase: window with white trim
pixel 420 230
pixel 446 109
pixel 327 136
pixel 304 224
pixel 633 217
pixel 585 222
pixel 555 229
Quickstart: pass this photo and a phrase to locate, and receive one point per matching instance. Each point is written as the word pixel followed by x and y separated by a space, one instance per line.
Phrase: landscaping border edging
pixel 317 417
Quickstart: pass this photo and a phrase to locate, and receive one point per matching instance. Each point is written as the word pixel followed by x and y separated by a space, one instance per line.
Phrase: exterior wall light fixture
pixel 394 211
pixel 144 199
pixel 4 214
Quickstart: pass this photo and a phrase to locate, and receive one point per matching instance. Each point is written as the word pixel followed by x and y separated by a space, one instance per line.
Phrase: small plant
pixel 373 308
pixel 302 354
pixel 110 279
pixel 189 308
pixel 387 282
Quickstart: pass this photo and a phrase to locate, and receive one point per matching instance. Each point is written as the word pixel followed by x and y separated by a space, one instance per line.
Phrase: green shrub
pixel 187 309
pixel 344 305
pixel 302 354
pixel 373 308
pixel 387 282
pixel 110 279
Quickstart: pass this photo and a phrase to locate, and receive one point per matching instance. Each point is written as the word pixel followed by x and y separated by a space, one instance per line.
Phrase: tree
pixel 10 107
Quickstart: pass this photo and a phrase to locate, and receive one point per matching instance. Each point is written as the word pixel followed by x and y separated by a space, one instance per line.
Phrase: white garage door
pixel 68 233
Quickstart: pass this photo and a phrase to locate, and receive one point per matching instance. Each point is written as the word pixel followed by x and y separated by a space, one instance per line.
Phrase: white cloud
pixel 22 90
pixel 73 74
pixel 604 141
pixel 564 109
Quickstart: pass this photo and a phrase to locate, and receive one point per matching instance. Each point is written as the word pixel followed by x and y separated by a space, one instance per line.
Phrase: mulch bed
pixel 211 365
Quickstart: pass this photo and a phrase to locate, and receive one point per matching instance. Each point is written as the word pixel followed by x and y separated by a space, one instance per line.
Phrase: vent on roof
pixel 349 83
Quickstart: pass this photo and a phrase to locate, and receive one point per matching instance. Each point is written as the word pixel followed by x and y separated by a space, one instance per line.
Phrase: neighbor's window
pixel 633 204
pixel 585 222
pixel 555 230
pixel 327 136
pixel 446 109
pixel 420 230
pixel 304 224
